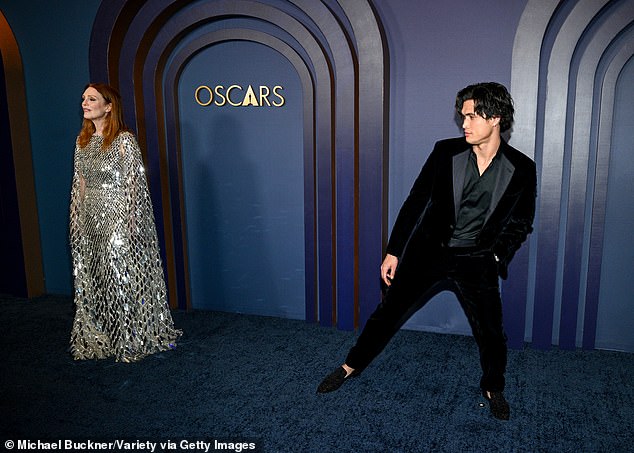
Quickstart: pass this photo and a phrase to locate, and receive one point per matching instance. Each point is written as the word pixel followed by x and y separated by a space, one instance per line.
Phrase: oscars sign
pixel 237 96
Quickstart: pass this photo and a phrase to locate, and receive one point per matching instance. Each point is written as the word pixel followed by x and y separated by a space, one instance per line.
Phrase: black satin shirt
pixel 475 202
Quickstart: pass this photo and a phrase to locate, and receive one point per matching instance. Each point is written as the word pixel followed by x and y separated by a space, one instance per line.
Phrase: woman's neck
pixel 99 127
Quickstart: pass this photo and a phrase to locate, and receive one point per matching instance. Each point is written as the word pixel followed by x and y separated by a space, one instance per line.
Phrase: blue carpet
pixel 238 378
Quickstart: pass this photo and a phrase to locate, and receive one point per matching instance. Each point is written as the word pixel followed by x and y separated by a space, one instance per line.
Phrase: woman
pixel 120 298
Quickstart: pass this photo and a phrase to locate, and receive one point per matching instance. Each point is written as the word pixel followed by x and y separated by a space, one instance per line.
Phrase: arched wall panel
pixel 372 132
pixel 571 103
pixel 152 81
pixel 516 291
pixel 102 34
pixel 145 49
pixel 174 149
pixel 244 183
pixel 346 154
pixel 610 67
pixel 25 273
pixel 549 264
pixel 615 319
pixel 599 35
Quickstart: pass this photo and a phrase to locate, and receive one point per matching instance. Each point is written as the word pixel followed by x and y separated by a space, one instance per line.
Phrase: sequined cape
pixel 121 308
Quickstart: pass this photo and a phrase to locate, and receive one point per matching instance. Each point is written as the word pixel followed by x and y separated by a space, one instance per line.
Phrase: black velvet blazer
pixel 430 210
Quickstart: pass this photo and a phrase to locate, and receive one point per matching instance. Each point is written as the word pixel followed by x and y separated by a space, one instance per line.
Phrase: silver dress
pixel 121 308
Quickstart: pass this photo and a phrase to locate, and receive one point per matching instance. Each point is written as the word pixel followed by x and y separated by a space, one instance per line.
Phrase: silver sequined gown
pixel 120 297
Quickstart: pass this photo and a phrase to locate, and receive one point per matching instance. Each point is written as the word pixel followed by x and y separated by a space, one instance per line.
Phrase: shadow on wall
pixel 229 263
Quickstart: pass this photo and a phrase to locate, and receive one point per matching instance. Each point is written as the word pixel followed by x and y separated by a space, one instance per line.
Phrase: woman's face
pixel 94 105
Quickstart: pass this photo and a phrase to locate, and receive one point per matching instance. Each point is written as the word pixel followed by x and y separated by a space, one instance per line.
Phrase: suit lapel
pixel 459 171
pixel 504 178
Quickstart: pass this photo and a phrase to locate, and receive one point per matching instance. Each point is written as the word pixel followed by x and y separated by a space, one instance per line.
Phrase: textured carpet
pixel 238 378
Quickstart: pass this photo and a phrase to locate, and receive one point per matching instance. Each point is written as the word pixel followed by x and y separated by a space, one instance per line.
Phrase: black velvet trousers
pixel 473 276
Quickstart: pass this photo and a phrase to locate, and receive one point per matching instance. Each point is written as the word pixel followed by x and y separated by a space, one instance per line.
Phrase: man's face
pixel 477 130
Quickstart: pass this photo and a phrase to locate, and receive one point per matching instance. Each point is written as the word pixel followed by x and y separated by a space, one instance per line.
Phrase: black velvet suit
pixel 427 264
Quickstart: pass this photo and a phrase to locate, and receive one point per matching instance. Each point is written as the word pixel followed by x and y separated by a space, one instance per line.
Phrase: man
pixel 468 212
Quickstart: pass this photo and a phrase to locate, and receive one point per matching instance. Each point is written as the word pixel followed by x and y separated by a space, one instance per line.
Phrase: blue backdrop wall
pixel 243 181
pixel 53 40
pixel 615 318
pixel 562 60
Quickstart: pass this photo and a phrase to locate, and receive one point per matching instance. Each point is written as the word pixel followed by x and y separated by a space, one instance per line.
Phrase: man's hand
pixel 388 268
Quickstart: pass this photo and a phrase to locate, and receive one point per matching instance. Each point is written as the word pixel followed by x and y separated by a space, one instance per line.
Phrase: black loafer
pixel 334 380
pixel 498 405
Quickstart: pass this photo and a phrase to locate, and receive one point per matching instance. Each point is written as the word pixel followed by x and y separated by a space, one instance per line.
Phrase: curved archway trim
pixel 348 240
pixel 20 157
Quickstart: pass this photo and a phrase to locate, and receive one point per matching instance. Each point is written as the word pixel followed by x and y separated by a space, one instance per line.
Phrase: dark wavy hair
pixel 491 99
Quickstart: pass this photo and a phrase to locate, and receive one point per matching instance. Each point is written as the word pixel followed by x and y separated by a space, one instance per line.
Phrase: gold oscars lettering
pixel 237 96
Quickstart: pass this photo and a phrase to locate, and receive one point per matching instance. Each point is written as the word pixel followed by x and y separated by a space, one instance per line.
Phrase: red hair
pixel 114 119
